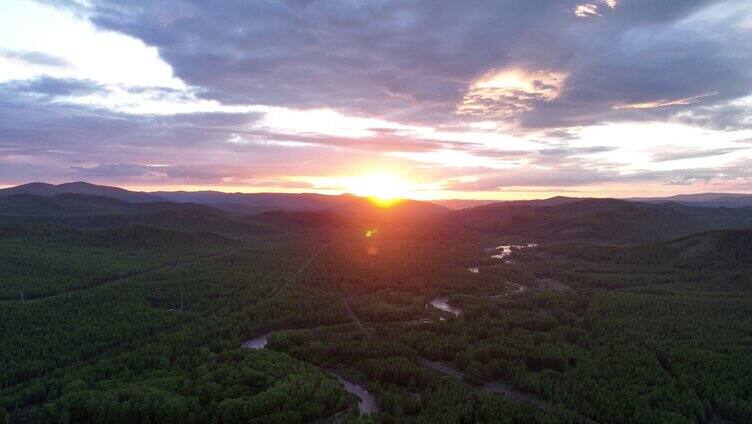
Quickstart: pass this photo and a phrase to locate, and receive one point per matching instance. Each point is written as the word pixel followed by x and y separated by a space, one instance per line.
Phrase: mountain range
pixel 712 200
pixel 557 218
pixel 250 203
pixel 609 220
pixel 49 190
pixel 236 203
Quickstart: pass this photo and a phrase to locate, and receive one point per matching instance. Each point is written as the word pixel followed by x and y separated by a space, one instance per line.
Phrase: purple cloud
pixel 387 58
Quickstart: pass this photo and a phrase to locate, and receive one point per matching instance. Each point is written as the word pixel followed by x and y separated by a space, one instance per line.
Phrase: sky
pixel 503 99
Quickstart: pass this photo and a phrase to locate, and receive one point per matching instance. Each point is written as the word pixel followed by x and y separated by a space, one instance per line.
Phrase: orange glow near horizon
pixel 370 185
pixel 383 189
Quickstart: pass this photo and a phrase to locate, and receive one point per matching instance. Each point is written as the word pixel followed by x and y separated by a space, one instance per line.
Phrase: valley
pixel 375 212
pixel 301 317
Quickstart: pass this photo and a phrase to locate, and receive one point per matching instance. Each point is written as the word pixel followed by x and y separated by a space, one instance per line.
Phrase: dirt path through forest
pixel 352 314
pixel 292 277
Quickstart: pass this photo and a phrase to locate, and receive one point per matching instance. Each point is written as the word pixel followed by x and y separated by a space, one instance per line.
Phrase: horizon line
pixel 214 189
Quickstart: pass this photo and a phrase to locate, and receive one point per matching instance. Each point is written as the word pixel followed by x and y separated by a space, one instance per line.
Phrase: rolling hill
pixel 27 199
pixel 344 204
pixel 723 250
pixel 50 190
pixel 707 200
pixel 70 204
pixel 93 211
pixel 605 220
pixel 554 219
pixel 253 203
pixel 90 211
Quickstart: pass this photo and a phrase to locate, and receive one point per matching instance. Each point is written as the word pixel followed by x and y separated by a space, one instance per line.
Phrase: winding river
pixel 506 249
pixel 366 401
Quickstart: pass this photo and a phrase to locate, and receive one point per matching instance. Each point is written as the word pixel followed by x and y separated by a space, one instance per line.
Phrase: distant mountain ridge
pixel 74 204
pixel 236 203
pixel 80 187
pixel 457 204
pixel 99 212
pixel 554 219
pixel 252 203
pixel 263 213
pixel 255 203
pixel 710 200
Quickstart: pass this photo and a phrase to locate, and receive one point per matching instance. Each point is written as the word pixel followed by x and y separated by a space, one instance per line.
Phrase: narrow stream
pixel 366 401
pixel 506 249
pixel 258 342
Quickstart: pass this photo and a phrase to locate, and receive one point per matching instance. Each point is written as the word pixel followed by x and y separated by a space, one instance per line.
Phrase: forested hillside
pixel 51 190
pixel 427 319
pixel 606 220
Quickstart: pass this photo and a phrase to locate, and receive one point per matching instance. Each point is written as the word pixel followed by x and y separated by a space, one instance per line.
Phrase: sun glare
pixel 383 189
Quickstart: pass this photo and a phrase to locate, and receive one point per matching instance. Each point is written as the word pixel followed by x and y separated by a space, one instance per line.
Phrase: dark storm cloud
pixel 413 61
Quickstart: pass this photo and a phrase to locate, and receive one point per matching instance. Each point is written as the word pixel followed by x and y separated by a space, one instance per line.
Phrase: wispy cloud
pixel 586 10
pixel 679 153
pixel 665 102
pixel 31 57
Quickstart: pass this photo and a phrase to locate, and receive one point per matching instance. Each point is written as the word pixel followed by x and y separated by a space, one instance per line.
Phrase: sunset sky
pixel 443 99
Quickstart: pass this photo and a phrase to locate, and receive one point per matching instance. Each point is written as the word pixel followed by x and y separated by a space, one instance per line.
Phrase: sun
pixel 384 189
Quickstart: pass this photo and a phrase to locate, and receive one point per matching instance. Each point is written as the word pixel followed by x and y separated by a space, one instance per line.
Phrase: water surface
pixel 442 303
pixel 506 249
pixel 258 342
pixel 366 401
